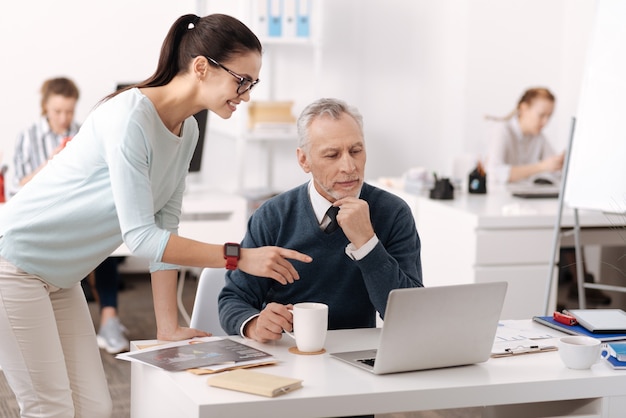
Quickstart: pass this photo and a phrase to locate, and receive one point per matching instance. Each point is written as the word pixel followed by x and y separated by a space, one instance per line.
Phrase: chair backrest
pixel 205 314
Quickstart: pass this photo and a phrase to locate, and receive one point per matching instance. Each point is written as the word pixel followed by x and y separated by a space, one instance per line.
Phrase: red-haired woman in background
pixel 517 147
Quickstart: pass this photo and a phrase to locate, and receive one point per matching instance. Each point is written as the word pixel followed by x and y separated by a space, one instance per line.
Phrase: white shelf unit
pixel 274 48
pixel 267 140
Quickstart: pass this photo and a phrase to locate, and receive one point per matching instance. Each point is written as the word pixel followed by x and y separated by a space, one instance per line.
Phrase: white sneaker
pixel 111 337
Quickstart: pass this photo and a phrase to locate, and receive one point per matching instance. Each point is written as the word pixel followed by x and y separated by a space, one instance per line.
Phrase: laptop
pixel 538 187
pixel 600 320
pixel 434 327
pixel 547 192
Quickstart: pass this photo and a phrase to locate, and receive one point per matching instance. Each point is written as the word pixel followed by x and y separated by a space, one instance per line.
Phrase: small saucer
pixel 295 350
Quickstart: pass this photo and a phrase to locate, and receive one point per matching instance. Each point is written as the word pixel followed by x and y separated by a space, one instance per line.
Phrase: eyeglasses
pixel 245 83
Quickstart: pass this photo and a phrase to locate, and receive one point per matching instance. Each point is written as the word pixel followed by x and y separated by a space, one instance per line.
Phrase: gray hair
pixel 326 106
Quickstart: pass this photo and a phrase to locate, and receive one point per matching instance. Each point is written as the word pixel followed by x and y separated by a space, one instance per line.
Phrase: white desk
pixel 494 237
pixel 522 386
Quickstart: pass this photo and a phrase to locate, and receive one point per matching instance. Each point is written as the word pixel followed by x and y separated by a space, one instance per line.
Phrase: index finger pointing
pixel 295 255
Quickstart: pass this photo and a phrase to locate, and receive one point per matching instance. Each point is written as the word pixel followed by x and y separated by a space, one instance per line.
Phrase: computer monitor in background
pixel 196 160
pixel 202 117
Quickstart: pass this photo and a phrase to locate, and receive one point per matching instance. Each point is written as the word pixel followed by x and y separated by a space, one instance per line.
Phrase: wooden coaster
pixel 295 350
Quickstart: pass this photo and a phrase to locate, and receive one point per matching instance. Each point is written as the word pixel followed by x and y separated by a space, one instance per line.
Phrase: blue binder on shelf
pixel 303 18
pixel 578 329
pixel 274 18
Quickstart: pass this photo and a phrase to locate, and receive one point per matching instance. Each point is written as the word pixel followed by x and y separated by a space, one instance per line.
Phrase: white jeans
pixel 48 349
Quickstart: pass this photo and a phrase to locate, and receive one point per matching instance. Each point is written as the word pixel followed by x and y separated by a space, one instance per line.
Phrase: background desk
pixel 535 385
pixel 495 236
pixel 207 216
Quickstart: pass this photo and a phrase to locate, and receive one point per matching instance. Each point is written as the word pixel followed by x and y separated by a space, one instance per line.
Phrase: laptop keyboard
pixel 368 361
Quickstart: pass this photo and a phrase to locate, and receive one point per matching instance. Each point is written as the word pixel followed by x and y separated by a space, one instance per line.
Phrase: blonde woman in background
pixel 518 150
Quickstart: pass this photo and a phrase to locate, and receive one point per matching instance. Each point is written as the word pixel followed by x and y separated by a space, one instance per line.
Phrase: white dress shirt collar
pixel 319 203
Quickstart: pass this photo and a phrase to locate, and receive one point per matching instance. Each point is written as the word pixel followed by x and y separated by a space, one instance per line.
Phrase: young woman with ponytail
pixel 120 180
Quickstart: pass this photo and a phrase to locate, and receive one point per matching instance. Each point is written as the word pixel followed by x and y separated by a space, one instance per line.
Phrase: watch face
pixel 232 250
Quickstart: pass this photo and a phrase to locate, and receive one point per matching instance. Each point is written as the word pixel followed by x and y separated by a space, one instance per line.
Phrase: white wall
pixel 98 44
pixel 423 73
pixel 430 70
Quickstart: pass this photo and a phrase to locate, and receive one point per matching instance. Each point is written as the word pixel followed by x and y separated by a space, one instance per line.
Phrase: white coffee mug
pixel 310 323
pixel 579 352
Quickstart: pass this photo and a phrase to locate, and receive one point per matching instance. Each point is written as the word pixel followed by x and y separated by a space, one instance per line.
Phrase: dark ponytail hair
pixel 218 36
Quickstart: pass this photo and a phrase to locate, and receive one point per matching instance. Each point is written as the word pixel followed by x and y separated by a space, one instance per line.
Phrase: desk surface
pixel 331 388
pixel 496 236
pixel 500 209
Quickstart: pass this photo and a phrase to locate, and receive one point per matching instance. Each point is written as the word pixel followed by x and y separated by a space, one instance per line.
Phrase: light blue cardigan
pixel 121 178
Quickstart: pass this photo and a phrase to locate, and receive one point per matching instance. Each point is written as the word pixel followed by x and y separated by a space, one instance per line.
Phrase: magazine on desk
pixel 214 353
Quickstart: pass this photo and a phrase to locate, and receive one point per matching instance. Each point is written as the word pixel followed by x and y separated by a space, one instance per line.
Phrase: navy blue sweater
pixel 353 290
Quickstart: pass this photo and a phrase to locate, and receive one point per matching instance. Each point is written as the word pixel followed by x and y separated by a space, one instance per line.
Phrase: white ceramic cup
pixel 579 352
pixel 310 323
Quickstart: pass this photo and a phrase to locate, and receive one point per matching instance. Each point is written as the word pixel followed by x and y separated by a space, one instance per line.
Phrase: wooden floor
pixel 136 313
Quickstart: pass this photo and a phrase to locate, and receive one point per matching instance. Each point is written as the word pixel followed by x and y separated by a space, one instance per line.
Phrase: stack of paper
pixel 511 340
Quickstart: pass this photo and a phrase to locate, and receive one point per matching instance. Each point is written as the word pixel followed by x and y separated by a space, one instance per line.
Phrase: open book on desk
pixel 210 353
pixel 578 329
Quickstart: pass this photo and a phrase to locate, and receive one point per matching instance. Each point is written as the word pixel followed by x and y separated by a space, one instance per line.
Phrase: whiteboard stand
pixel 556 241
pixel 578 250
pixel 597 177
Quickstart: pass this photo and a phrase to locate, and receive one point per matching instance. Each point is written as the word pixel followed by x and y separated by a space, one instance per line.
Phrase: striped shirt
pixel 34 147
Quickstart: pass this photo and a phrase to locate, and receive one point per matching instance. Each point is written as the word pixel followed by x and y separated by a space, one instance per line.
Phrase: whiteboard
pixel 596 176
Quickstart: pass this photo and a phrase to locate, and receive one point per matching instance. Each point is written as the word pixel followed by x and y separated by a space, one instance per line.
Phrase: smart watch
pixel 231 254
